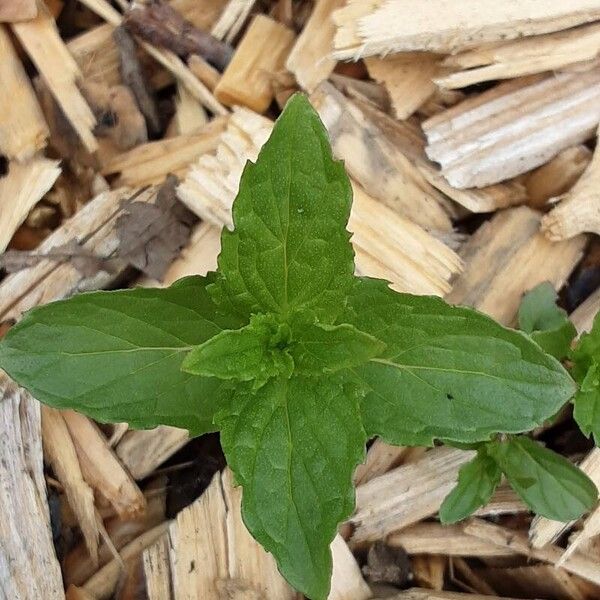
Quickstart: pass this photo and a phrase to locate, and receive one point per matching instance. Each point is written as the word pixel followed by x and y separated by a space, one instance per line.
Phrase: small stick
pixel 161 25
pixel 133 77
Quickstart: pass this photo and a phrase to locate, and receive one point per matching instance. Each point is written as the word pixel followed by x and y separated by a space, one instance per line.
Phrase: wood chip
pixel 212 554
pixel 450 540
pixel 101 468
pixel 93 228
pixel 28 564
pixel 508 256
pixel 60 452
pixel 20 189
pixel 513 127
pixel 23 130
pixel 151 163
pixel 579 208
pixel 60 72
pixel 539 581
pixel 423 594
pixel 525 56
pixel 408 78
pixel 557 176
pixel 262 52
pixel 387 158
pixel 382 457
pixel 388 26
pixel 405 495
pixel 17 10
pixel 582 566
pixel 103 583
pixel 310 59
pixel 232 19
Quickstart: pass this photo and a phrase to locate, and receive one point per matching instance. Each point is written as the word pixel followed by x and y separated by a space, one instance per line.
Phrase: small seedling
pixel 297 362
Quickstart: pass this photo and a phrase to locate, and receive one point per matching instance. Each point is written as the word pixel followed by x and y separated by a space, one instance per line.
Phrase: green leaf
pixel 116 356
pixel 255 352
pixel 289 249
pixel 587 404
pixel 293 446
pixel 448 372
pixel 587 352
pixel 548 483
pixel 477 481
pixel 321 348
pixel 585 370
pixel 548 325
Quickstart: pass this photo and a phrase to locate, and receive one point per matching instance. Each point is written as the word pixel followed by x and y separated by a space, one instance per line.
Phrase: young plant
pixel 297 362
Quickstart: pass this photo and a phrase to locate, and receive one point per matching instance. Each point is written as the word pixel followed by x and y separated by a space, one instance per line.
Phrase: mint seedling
pixel 294 359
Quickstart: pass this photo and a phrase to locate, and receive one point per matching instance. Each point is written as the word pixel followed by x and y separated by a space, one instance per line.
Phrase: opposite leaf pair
pixel 294 359
pixel 548 483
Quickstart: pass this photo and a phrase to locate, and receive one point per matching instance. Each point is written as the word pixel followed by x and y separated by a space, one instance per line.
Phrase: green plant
pixel 298 362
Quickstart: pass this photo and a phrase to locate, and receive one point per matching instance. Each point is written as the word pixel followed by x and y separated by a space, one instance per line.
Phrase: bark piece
pixel 133 77
pixel 163 26
pixel 261 54
pixel 408 78
pixel 152 235
pixel 579 208
pixel 101 468
pixel 20 189
pixel 211 185
pixel 151 163
pixel 387 564
pixel 544 531
pixel 28 564
pixel 387 157
pixel 23 130
pixel 212 554
pixel 166 58
pixel 310 59
pixel 118 116
pixel 405 495
pixel 96 53
pixel 60 452
pixel 508 256
pixel 60 72
pixel 17 10
pixel 388 26
pixel 525 56
pixel 514 127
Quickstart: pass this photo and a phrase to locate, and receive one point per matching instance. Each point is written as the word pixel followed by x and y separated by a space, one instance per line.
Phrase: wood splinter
pixel 579 208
